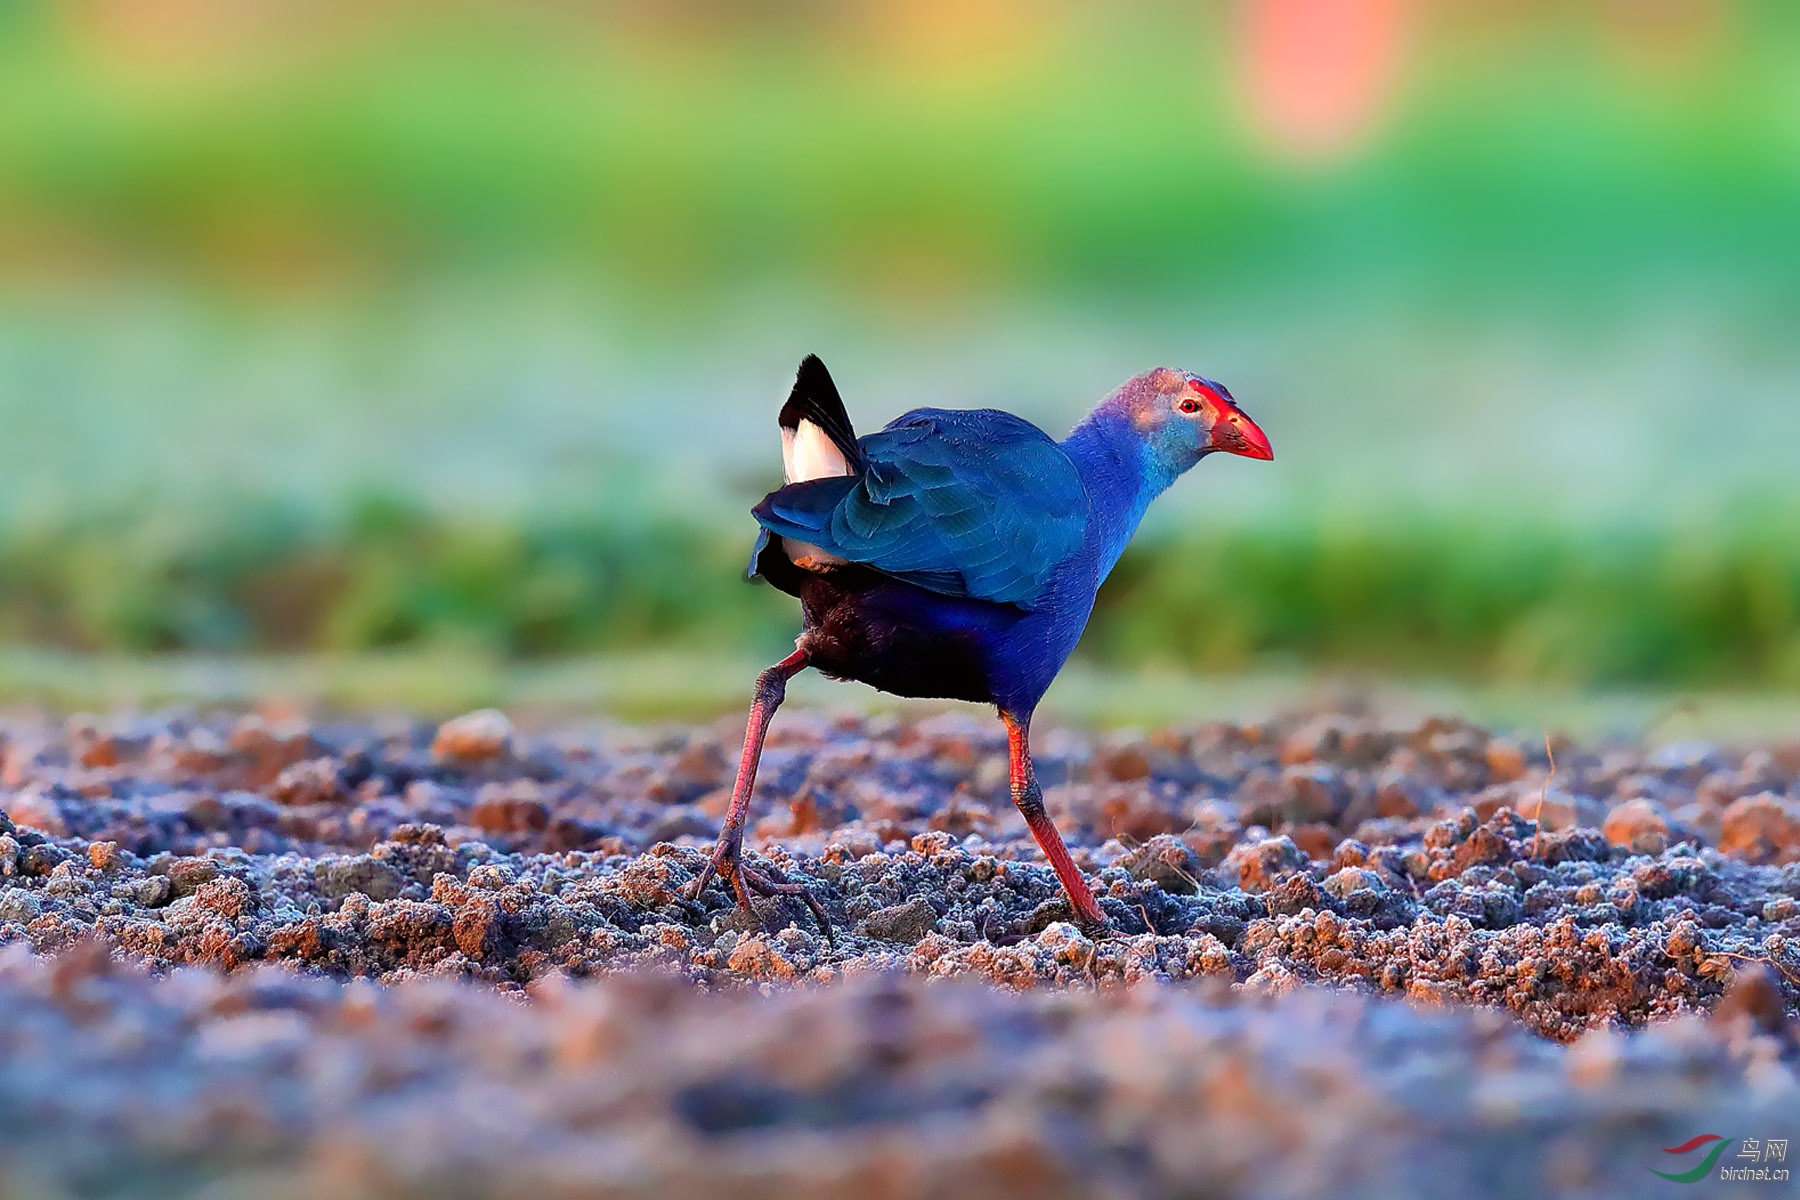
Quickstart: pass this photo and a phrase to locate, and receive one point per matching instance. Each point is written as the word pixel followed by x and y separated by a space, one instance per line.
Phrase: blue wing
pixel 978 503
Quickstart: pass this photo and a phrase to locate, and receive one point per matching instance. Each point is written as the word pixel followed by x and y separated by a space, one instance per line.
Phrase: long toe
pixel 766 886
pixel 723 861
pixel 1094 930
pixel 746 883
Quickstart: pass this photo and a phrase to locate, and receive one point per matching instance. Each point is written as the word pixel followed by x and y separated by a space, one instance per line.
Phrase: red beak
pixel 1236 433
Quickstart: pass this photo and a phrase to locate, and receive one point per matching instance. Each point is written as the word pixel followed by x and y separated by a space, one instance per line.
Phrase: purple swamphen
pixel 956 554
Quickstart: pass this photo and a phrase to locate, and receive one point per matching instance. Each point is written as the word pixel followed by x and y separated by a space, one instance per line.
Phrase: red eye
pixel 1190 405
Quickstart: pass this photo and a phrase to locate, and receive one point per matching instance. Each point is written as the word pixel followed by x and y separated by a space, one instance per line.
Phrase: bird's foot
pixel 1053 910
pixel 746 881
pixel 1095 931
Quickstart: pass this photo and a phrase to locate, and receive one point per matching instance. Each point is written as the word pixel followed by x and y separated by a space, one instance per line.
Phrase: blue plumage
pixel 957 555
pixel 978 504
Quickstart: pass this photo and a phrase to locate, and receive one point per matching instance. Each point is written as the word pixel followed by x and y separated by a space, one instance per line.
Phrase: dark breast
pixel 902 639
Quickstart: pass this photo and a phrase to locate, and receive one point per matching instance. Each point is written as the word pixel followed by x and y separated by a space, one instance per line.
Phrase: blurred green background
pixel 458 329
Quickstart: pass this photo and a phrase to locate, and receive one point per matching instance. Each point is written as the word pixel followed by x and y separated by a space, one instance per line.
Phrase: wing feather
pixel 980 504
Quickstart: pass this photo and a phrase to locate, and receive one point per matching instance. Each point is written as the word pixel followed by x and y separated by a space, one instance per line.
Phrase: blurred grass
pixel 677 684
pixel 1560 151
pixel 1624 177
pixel 1587 606
pixel 273 576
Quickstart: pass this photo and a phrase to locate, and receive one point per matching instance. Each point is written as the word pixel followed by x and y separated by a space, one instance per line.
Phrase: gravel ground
pixel 1349 960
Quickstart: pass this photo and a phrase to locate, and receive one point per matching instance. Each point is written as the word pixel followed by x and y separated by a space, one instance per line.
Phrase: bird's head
pixel 1182 417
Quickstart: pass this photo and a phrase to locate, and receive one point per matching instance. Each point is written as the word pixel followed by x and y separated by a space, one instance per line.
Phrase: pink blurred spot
pixel 1319 72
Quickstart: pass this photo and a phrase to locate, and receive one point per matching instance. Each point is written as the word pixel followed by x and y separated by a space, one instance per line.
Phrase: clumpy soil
pixel 1350 957
pixel 270 1084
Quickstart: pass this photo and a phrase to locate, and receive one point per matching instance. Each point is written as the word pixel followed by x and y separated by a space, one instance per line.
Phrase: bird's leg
pixel 728 857
pixel 1030 798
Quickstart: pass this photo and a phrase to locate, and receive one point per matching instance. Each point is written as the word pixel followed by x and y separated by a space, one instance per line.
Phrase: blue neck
pixel 1122 476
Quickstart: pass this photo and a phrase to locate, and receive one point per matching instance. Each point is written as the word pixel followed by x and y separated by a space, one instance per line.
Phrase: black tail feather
pixel 815 398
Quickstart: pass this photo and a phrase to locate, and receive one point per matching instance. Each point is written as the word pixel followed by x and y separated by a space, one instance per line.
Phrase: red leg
pixel 1030 799
pixel 728 858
